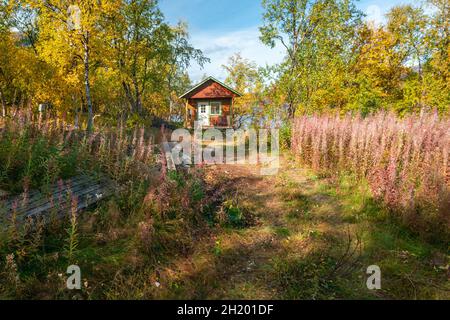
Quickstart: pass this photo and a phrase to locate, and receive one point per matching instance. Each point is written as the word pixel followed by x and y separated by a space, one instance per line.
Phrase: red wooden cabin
pixel 210 103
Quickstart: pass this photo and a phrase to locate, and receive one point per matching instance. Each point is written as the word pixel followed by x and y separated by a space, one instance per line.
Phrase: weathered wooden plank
pixel 36 211
pixel 55 189
pixel 36 195
pixel 57 199
pixel 85 189
pixel 62 196
pixel 82 204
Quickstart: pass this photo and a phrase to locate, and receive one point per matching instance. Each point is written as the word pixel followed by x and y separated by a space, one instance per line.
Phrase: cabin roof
pixel 186 94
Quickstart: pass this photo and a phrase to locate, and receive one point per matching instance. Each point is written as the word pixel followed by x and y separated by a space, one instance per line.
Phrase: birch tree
pixel 72 38
pixel 317 37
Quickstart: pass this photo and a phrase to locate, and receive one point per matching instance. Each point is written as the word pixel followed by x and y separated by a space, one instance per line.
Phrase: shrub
pixel 285 136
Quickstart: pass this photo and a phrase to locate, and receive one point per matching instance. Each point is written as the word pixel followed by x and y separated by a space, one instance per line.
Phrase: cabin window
pixel 203 109
pixel 216 108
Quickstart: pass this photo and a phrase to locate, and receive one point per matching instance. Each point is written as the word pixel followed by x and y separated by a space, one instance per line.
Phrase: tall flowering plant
pixel 405 160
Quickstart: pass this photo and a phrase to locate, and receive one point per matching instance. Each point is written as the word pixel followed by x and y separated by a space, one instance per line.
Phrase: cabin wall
pixel 217 121
pixel 211 91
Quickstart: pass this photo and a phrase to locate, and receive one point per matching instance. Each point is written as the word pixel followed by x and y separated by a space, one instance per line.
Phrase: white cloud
pixel 219 47
pixel 374 15
pixel 376 10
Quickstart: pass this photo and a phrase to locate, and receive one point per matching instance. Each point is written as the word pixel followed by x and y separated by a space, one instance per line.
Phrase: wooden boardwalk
pixel 81 191
pixel 60 199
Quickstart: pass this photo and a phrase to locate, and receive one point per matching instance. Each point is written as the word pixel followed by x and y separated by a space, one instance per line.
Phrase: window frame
pixel 219 105
pixel 201 105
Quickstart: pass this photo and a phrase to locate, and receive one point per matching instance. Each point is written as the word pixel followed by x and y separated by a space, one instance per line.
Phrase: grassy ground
pixel 229 233
pixel 307 238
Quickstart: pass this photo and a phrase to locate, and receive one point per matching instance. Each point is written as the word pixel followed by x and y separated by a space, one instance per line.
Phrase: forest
pixel 90 93
pixel 122 59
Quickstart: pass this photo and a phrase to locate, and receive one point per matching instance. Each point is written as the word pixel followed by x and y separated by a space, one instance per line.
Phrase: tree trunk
pixel 2 100
pixel 139 103
pixel 138 99
pixel 78 109
pixel 423 94
pixel 14 99
pixel 13 103
pixel 128 94
pixel 90 123
pixel 133 96
pixel 291 111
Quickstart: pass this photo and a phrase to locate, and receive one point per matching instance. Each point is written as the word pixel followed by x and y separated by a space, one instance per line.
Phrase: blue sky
pixel 223 27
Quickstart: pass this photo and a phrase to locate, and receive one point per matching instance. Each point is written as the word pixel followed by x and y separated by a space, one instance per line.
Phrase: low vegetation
pixel 37 151
pixel 207 232
pixel 404 161
pixel 154 216
pixel 335 229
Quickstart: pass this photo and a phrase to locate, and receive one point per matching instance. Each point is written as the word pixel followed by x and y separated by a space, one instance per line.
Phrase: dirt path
pixel 306 240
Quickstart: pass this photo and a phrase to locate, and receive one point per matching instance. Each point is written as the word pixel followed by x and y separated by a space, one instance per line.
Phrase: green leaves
pixel 317 37
pixel 336 61
pixel 131 59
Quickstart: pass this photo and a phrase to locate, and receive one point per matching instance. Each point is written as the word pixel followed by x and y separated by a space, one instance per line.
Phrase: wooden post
pixel 187 114
pixel 232 113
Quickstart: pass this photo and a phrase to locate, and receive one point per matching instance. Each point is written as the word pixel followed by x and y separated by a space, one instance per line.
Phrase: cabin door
pixel 204 111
